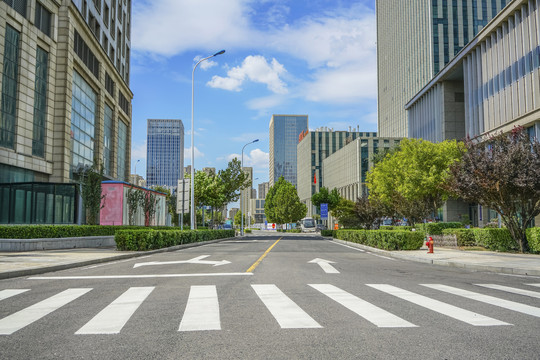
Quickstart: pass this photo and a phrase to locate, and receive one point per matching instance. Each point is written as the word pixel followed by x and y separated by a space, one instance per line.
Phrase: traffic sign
pixel 324 211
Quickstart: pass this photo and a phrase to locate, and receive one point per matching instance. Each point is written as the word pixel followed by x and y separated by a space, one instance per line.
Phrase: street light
pixel 241 197
pixel 193 139
pixel 136 166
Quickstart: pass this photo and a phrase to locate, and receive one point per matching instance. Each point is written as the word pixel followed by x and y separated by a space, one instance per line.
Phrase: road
pixel 269 297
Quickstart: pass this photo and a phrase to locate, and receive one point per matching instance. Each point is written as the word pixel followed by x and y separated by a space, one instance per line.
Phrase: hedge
pixel 395 227
pixel 465 237
pixel 148 239
pixel 59 231
pixel 384 239
pixel 327 232
pixel 437 228
pixel 533 237
pixel 491 238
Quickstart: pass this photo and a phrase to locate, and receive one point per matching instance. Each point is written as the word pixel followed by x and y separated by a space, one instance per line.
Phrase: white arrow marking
pixel 325 265
pixel 197 260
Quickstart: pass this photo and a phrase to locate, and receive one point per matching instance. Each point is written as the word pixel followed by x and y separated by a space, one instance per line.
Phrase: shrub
pixel 464 237
pixel 247 231
pixel 384 239
pixel 437 228
pixel 327 232
pixel 149 239
pixel 495 239
pixel 58 231
pixel 533 237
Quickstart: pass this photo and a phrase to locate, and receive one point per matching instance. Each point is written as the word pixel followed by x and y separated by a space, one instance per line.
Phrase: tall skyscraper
pixel 263 189
pixel 415 40
pixel 284 132
pixel 65 103
pixel 165 152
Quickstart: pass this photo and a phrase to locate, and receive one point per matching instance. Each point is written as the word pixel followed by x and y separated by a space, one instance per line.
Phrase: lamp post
pixel 193 139
pixel 136 166
pixel 241 197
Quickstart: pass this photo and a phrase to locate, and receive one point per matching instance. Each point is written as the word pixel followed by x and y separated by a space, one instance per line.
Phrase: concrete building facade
pixel 66 101
pixel 263 189
pixel 284 131
pixel 165 152
pixel 415 40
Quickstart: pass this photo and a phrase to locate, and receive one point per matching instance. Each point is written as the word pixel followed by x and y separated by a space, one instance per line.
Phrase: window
pixel 40 103
pixel 106 15
pixel 122 147
pixel 123 102
pixel 43 19
pixel 97 4
pixel 107 140
pixel 86 55
pixel 18 5
pixel 109 84
pixel 9 88
pixel 83 120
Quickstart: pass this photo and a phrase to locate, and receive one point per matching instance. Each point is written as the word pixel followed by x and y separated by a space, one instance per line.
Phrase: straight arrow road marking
pixel 325 265
pixel 196 260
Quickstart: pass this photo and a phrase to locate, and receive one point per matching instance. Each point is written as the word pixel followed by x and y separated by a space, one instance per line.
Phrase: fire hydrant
pixel 429 244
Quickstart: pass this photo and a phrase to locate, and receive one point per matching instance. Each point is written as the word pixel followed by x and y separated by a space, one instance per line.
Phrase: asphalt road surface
pixel 269 297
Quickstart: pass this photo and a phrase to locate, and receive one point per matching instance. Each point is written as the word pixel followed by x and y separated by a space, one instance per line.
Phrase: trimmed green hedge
pixel 393 227
pixel 59 231
pixel 533 237
pixel 465 237
pixel 437 228
pixel 327 232
pixel 491 238
pixel 384 239
pixel 148 239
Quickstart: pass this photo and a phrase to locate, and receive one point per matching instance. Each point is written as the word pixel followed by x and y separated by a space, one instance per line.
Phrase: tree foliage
pixel 149 206
pixel 503 174
pixel 344 212
pixel 369 212
pixel 234 180
pixel 238 219
pixel 93 199
pixel 282 204
pixel 411 179
pixel 135 199
pixel 326 197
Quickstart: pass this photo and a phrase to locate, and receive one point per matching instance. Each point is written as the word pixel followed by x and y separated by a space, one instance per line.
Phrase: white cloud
pixel 255 158
pixel 254 68
pixel 187 153
pixel 205 65
pixel 267 102
pixel 138 151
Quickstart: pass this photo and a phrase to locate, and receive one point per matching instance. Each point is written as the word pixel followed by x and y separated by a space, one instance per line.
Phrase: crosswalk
pixel 202 311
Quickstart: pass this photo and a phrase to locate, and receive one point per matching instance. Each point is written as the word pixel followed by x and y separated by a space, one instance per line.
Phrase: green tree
pixel 345 214
pixel 170 201
pixel 369 212
pixel 238 219
pixel 233 180
pixel 503 174
pixel 282 204
pixel 324 196
pixel 412 179
pixel 93 199
pixel 135 199
pixel 149 208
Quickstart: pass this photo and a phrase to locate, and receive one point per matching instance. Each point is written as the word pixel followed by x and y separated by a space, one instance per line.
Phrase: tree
pixel 369 212
pixel 412 179
pixel 233 180
pixel 149 208
pixel 135 199
pixel 170 201
pixel 345 214
pixel 503 174
pixel 93 199
pixel 282 204
pixel 324 196
pixel 238 219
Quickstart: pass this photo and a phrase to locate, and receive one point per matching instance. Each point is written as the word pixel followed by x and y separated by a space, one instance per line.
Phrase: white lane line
pixel 4 294
pixel 285 311
pixel 452 311
pixel 150 276
pixel 115 262
pixel 25 317
pixel 202 310
pixel 537 285
pixel 509 289
pixel 113 318
pixel 368 311
pixel 510 305
pixel 347 246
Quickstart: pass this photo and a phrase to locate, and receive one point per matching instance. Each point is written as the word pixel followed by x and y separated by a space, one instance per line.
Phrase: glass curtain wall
pixel 9 88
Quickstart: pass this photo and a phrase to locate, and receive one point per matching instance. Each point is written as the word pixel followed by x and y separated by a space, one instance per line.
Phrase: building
pixel 284 131
pixel 415 40
pixel 65 105
pixel 232 213
pixel 257 210
pixel 210 171
pixel 263 189
pixel 491 86
pixel 313 147
pixel 137 179
pixel 165 152
pixel 253 193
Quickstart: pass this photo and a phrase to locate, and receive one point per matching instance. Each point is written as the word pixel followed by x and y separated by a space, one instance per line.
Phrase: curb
pixel 45 269
pixel 448 263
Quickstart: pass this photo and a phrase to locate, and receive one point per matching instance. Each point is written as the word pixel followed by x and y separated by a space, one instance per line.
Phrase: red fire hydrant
pixel 429 244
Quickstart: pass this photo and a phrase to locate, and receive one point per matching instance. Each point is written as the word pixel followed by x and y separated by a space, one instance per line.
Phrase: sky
pixel 313 57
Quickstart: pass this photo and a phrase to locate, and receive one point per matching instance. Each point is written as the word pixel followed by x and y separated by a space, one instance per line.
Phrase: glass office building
pixel 165 152
pixel 284 133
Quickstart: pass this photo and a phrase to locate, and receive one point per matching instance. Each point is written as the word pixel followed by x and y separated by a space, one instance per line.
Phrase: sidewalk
pixel 15 264
pixel 488 261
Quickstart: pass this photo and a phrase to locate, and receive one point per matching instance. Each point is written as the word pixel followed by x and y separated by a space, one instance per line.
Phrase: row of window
pixel 42 19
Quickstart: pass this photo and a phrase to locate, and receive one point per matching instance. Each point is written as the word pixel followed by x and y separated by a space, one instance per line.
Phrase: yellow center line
pixel 256 263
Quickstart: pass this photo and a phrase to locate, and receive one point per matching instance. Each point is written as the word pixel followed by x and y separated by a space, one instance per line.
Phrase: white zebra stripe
pixel 4 294
pixel 202 310
pixel 512 290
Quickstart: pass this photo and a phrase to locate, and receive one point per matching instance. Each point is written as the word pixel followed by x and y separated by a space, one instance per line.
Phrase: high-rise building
pixel 284 132
pixel 263 189
pixel 312 149
pixel 415 40
pixel 65 103
pixel 165 152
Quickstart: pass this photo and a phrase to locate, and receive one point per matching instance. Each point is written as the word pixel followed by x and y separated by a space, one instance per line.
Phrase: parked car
pixel 320 227
pixel 227 227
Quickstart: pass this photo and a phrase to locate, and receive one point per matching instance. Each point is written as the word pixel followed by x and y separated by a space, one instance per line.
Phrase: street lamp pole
pixel 241 197
pixel 193 138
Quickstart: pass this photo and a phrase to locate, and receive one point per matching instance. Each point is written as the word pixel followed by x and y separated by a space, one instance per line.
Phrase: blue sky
pixel 315 57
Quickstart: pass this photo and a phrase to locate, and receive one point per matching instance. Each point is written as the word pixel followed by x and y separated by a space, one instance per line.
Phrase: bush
pixel 149 239
pixel 59 231
pixel 247 231
pixel 394 227
pixel 465 237
pixel 495 239
pixel 437 228
pixel 384 239
pixel 533 237
pixel 327 232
